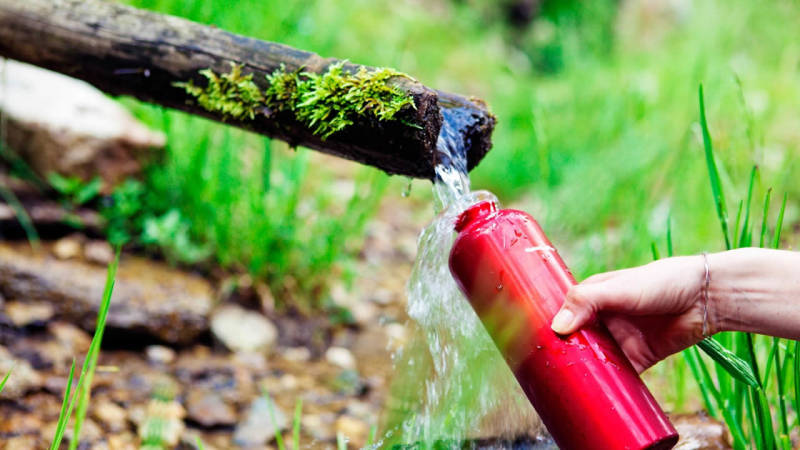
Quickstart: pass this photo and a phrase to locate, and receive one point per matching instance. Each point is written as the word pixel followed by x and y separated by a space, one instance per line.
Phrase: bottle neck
pixel 474 213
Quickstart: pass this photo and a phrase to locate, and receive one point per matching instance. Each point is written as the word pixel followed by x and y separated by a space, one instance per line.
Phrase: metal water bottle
pixel 582 385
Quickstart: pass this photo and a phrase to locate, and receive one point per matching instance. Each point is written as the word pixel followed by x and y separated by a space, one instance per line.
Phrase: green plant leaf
pixel 713 173
pixel 64 414
pixel 776 242
pixel 732 364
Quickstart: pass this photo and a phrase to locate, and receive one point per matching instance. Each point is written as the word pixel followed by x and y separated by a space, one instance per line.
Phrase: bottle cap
pixel 475 212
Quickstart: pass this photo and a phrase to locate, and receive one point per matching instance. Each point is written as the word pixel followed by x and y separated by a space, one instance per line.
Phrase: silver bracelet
pixel 706 283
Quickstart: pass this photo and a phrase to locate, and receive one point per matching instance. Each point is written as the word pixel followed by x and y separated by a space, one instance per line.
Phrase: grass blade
pixel 784 421
pixel 22 216
pixel 5 379
pixel 670 251
pixel 732 364
pixel 713 173
pixel 797 378
pixel 278 435
pixel 84 388
pixel 341 443
pixel 703 379
pixel 764 218
pixel 63 416
pixel 654 251
pixel 776 242
pixel 745 236
pixel 298 411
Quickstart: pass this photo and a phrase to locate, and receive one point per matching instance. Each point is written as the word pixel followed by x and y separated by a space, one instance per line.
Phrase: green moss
pixel 326 103
pixel 230 94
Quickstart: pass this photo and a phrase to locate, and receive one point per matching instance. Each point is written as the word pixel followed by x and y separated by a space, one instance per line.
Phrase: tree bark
pixel 126 51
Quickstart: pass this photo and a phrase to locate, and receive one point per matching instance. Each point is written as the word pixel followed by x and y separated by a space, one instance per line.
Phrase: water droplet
pixel 539 347
pixel 407 190
pixel 499 287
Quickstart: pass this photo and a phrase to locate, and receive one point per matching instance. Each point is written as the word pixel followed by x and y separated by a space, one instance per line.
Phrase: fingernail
pixel 562 321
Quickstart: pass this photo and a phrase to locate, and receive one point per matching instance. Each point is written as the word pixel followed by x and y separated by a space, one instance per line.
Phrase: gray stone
pixel 257 427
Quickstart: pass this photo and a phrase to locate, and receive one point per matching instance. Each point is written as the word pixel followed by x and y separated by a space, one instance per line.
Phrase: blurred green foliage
pixel 598 132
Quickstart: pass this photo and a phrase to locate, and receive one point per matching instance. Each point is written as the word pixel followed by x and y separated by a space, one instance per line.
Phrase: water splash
pixel 451 383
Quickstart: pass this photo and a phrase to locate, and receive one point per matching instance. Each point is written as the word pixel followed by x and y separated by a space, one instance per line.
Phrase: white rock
pixel 340 356
pixel 60 124
pixel 159 354
pixel 241 330
pixel 67 247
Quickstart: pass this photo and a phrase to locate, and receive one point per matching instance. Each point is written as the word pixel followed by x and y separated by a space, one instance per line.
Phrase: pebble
pixel 356 431
pixel 241 330
pixel 160 354
pixel 318 426
pixel 98 252
pixel 340 356
pixel 297 354
pixel 209 409
pixel 26 313
pixel 113 416
pixel 257 427
pixel 67 248
pixel 71 336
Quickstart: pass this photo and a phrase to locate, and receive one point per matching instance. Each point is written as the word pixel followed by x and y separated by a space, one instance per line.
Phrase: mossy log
pixel 127 51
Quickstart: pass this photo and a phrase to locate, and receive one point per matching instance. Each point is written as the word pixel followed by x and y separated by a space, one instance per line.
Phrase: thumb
pixel 580 304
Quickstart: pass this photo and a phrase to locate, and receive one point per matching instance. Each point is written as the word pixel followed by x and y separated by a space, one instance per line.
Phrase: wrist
pixel 748 287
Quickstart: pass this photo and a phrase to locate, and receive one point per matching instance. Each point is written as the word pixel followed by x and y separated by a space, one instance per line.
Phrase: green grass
pixel 82 391
pixel 738 391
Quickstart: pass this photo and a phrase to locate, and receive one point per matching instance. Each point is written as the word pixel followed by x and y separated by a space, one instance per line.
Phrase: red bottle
pixel 583 387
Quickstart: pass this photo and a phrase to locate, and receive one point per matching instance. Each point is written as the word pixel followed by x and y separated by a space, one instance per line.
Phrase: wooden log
pixel 127 51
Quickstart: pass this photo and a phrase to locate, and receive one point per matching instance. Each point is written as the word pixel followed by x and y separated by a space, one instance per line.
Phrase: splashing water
pixel 451 383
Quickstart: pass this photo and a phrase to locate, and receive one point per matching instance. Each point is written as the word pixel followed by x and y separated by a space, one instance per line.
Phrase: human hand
pixel 652 311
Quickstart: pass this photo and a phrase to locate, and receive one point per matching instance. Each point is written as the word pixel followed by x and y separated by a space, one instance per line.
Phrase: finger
pixel 584 300
pixel 631 340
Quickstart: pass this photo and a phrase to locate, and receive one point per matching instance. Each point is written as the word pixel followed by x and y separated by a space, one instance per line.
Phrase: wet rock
pixel 67 247
pixel 355 430
pixel 148 297
pixel 700 432
pixel 160 355
pixel 22 314
pixel 340 356
pixel 241 330
pixel 63 125
pixel 208 409
pixel 257 427
pixel 98 252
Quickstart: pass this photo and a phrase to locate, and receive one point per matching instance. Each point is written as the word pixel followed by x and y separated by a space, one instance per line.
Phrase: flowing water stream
pixel 451 384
